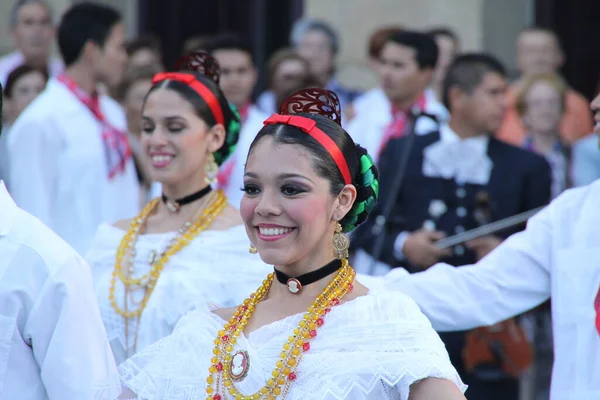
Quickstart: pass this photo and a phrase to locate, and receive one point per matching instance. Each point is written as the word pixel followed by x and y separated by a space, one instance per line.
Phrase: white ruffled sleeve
pixel 176 366
pixel 379 347
pixel 425 355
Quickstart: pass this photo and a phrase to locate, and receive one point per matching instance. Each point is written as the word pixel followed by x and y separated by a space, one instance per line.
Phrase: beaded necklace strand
pixel 221 380
pixel 147 282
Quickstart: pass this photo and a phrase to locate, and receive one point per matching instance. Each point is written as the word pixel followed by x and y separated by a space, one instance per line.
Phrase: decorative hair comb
pixel 315 101
pixel 202 62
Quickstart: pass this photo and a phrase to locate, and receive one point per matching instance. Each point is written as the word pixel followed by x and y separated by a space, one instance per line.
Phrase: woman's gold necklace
pixel 147 282
pixel 228 367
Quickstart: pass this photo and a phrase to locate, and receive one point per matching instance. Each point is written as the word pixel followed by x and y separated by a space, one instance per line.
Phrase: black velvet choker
pixel 295 285
pixel 175 205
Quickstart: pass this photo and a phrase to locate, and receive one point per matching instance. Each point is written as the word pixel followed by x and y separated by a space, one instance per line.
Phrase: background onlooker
pixel 144 51
pixel 540 102
pixel 23 85
pixel 286 69
pixel 33 32
pixel 131 94
pixel 539 52
pixel 318 43
pixel 448 47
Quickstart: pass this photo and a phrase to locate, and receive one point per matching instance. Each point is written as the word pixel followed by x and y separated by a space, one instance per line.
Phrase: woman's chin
pixel 274 257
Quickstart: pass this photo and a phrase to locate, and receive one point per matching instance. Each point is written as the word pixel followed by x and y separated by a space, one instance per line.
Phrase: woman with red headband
pixel 310 330
pixel 188 245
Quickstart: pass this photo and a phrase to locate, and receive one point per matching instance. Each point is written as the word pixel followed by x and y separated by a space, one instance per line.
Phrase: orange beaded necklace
pixel 228 367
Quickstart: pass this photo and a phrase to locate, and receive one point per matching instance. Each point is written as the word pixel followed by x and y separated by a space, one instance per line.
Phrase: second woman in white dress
pixel 183 248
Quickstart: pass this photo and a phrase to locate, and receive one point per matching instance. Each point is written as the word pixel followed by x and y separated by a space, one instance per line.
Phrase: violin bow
pixel 487 229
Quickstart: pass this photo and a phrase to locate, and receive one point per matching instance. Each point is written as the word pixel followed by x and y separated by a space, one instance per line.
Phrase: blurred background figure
pixel 33 32
pixel 23 85
pixel 319 44
pixel 237 81
pixel 131 94
pixel 540 103
pixel 374 98
pixel 286 69
pixel 144 52
pixel 70 160
pixel 406 66
pixel 539 52
pixel 308 81
pixel 448 47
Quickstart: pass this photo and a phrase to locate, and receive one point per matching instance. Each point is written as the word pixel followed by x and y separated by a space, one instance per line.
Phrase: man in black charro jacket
pixel 457 179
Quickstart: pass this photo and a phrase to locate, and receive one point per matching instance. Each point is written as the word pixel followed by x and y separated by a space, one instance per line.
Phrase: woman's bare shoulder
pixel 123 224
pixel 225 313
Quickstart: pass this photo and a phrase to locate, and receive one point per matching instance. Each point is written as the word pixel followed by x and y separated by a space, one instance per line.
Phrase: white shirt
pixel 557 255
pixel 58 170
pixel 369 100
pixel 266 102
pixel 250 128
pixel 463 160
pixel 190 277
pixel 371 348
pixel 52 342
pixel 373 112
pixel 9 62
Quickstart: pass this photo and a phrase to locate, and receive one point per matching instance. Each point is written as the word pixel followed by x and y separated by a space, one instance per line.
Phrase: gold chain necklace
pixel 147 282
pixel 227 368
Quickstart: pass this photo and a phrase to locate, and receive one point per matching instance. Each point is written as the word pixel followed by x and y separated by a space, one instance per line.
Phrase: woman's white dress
pixel 373 347
pixel 215 267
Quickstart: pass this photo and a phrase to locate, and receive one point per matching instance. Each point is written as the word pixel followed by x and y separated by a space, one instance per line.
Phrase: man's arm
pixel 513 278
pixel 68 338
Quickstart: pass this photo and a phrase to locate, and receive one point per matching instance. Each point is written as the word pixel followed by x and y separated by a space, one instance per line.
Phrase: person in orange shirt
pixel 539 52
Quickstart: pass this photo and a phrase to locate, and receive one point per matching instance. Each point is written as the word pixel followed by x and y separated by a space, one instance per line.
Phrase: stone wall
pixel 480 24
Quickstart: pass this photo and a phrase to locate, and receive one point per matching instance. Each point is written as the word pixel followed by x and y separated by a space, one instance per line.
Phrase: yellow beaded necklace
pixel 147 282
pixel 223 373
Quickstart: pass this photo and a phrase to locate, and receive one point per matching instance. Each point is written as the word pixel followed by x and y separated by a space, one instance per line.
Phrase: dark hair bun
pixel 203 63
pixel 232 135
pixel 367 191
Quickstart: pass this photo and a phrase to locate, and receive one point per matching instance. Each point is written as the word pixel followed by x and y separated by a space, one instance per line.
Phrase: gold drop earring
pixel 211 170
pixel 252 249
pixel 340 243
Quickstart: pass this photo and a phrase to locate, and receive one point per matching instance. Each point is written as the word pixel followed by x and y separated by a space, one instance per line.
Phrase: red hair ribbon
pixel 191 81
pixel 310 127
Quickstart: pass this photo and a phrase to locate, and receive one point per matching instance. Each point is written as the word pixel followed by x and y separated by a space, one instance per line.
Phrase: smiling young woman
pixel 149 271
pixel 311 327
